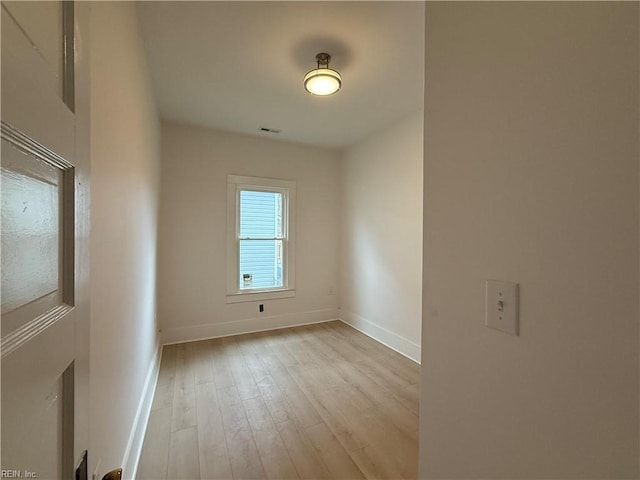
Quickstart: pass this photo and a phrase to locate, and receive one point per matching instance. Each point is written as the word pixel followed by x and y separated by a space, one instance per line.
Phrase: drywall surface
pixel 124 198
pixel 531 175
pixel 381 229
pixel 193 219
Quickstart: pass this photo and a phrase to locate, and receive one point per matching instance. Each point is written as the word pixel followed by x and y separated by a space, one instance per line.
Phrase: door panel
pixel 44 335
pixel 41 22
pixel 30 100
pixel 31 240
pixel 37 236
pixel 32 403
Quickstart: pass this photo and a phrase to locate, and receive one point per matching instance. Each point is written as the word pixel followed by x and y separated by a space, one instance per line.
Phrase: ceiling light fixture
pixel 322 81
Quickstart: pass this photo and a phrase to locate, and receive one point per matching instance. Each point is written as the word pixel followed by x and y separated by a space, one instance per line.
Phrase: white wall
pixel 124 197
pixel 193 218
pixel 531 175
pixel 381 229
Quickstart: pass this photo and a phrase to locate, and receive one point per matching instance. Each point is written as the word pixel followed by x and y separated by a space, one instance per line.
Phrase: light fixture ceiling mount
pixel 322 81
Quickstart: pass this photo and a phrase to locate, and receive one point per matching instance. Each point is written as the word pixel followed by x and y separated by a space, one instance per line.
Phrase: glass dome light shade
pixel 322 81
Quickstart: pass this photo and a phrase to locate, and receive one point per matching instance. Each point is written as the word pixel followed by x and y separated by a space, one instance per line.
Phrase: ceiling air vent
pixel 269 130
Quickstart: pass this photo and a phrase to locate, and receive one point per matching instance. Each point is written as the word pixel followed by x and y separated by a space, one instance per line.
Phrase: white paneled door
pixel 44 326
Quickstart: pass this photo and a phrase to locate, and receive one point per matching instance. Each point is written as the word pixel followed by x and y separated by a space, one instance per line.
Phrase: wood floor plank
pixel 163 396
pixel 382 376
pixel 305 458
pixel 341 344
pixel 183 455
pixel 326 405
pixel 209 418
pixel 258 416
pixel 275 400
pixel 303 409
pixel 335 329
pixel 222 375
pixel 274 455
pixel 321 401
pixel 283 354
pixel 254 343
pixel 234 418
pixel 256 366
pixel 382 398
pixel 184 395
pixel 391 360
pixel 409 397
pixel 230 345
pixel 275 337
pixel 409 371
pixel 154 457
pixel 245 461
pixel 378 464
pixel 199 353
pixel 326 351
pixel 184 372
pixel 366 465
pixel 350 399
pixel 215 464
pixel 184 409
pixel 392 451
pixel 243 454
pixel 301 354
pixel 247 387
pixel 332 453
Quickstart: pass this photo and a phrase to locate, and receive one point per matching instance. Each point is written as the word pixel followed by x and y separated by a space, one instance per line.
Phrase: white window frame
pixel 235 184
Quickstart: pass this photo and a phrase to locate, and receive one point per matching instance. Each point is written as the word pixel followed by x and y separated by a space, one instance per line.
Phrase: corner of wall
pixel 381 270
pixel 193 333
pixel 388 338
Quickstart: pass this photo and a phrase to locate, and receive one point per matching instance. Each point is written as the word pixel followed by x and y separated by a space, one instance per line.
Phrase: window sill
pixel 259 296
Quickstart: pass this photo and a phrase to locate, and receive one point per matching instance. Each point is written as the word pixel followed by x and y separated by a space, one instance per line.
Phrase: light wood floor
pixel 319 401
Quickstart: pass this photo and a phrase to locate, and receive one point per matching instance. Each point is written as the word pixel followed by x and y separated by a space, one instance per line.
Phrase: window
pixel 260 239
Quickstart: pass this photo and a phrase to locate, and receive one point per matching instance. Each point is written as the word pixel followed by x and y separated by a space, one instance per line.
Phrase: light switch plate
pixel 501 311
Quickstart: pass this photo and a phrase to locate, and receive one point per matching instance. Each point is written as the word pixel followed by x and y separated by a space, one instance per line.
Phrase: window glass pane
pixel 260 264
pixel 260 214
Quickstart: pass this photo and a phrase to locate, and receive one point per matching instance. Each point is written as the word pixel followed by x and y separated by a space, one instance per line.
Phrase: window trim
pixel 235 183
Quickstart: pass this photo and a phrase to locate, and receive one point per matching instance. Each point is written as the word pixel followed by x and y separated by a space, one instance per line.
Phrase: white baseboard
pixel 249 325
pixel 386 337
pixel 134 446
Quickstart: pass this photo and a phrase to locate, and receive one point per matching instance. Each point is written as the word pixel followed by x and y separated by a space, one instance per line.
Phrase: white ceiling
pixel 238 66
